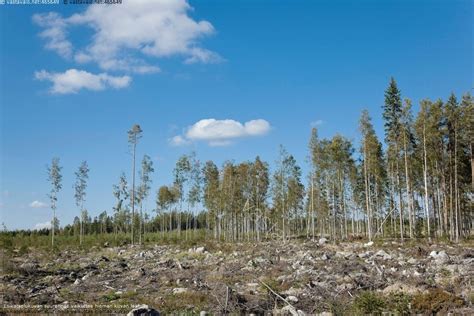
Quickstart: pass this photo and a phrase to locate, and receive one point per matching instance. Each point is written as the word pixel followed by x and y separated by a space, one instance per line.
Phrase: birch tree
pixel 144 189
pixel 181 177
pixel 211 194
pixel 82 174
pixel 55 179
pixel 121 194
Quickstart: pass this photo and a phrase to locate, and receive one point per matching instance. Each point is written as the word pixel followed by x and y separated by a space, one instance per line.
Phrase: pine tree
pixel 392 112
pixel 134 135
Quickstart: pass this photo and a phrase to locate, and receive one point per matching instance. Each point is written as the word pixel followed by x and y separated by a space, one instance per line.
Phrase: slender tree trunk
pixel 472 166
pixel 258 216
pixel 334 212
pixel 133 189
pixel 312 207
pixel 451 201
pixel 407 183
pixel 400 199
pixel 425 178
pixel 81 227
pixel 353 210
pixel 140 224
pixel 377 209
pixel 283 206
pixel 367 195
pixel 392 201
pixel 456 189
pixel 53 224
pixel 343 204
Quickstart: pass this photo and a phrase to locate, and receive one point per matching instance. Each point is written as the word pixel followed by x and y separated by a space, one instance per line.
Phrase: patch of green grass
pixel 71 295
pixel 7 243
pixel 110 296
pixel 72 266
pixel 129 298
pixel 23 241
pixel 185 302
pixel 23 250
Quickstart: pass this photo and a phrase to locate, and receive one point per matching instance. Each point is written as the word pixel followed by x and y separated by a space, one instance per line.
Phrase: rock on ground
pixel 143 310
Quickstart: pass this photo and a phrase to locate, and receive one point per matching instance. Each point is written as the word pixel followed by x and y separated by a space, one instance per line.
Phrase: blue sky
pixel 74 91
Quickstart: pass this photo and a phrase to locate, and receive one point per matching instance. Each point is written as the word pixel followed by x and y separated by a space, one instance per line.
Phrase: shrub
pixel 369 303
pixel 436 301
pixel 400 303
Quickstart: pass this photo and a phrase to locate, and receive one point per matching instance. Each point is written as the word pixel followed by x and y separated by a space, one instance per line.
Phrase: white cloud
pixel 316 123
pixel 37 204
pixel 44 225
pixel 73 80
pixel 54 33
pixel 178 140
pixel 203 56
pixel 221 132
pixel 151 28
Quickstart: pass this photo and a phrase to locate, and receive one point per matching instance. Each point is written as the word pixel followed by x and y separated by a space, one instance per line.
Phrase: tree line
pixel 418 183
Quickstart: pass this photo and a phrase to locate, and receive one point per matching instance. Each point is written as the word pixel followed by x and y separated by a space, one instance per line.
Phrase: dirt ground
pixel 294 278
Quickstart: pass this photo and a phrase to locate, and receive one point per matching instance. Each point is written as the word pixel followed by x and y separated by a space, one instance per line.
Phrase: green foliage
pixel 399 303
pixel 7 242
pixel 42 241
pixel 392 110
pixel 348 196
pixel 55 178
pixel 23 250
pixel 369 303
pixel 436 301
pixel 339 306
pixel 110 296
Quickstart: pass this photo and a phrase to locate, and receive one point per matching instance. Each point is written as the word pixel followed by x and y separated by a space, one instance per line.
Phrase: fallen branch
pixel 226 299
pixel 276 294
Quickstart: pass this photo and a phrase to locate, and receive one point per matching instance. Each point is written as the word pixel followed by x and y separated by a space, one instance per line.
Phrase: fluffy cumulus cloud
pixel 37 204
pixel 44 225
pixel 73 80
pixel 125 35
pixel 221 132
